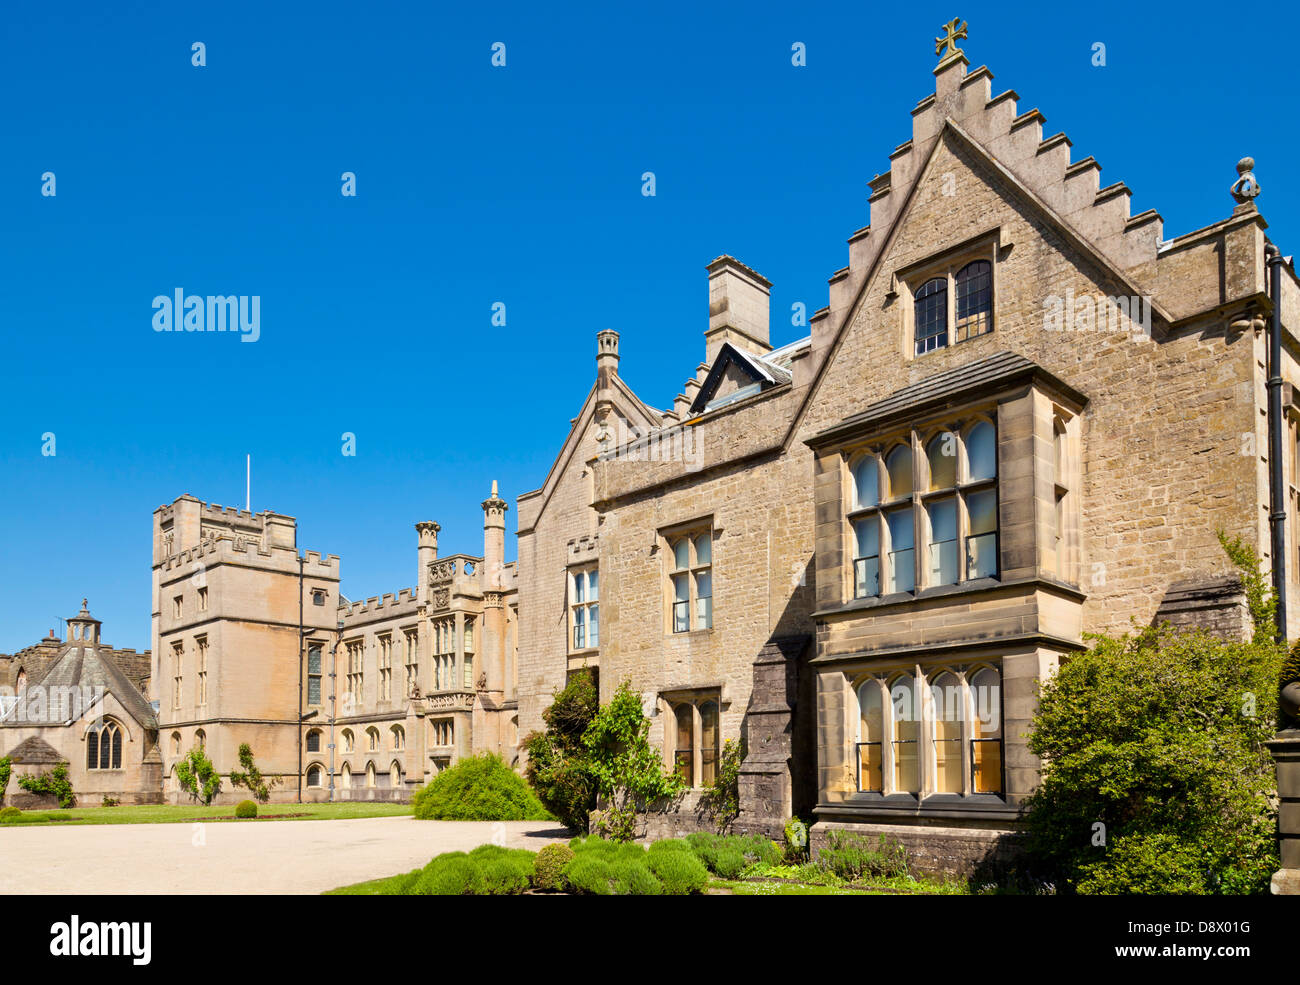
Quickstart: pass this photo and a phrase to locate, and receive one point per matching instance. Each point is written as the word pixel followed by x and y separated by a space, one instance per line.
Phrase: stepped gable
pixel 963 103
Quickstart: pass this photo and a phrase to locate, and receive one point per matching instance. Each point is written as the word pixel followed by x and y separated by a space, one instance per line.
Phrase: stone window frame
pixel 411 639
pixel 201 671
pixel 312 733
pixel 924 677
pixel 384 659
pixel 397 737
pixel 916 440
pixel 372 739
pixel 348 740
pixel 316 678
pixel 318 770
pixel 203 599
pixel 445 656
pixel 96 748
pixel 355 654
pixel 318 596
pixel 947 266
pixel 178 673
pixel 443 729
pixel 668 539
pixel 178 606
pixel 1061 554
pixel 704 763
pixel 584 605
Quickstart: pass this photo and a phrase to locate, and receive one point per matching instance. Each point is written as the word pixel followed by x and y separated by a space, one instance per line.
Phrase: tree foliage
pixel 197 777
pixel 480 788
pixel 557 765
pixel 250 777
pixel 55 782
pixel 6 765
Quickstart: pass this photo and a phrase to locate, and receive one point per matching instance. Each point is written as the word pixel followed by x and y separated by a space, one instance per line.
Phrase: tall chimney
pixel 426 554
pixel 739 302
pixel 494 610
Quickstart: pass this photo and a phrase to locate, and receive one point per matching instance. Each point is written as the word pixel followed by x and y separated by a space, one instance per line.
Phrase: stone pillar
pixel 426 554
pixel 492 648
pixel 1285 748
pixel 766 784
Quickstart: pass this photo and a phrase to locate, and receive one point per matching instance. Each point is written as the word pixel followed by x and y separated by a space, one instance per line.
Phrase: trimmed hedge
pixel 245 809
pixel 9 814
pixel 679 872
pixel 481 788
pixel 548 867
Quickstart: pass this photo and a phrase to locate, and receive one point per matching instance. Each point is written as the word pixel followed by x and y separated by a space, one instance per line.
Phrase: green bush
pixel 6 765
pixel 196 775
pixel 1155 743
pixel 548 866
pixel 250 776
pixel 679 872
pixel 450 874
pixel 481 788
pixel 729 855
pixel 727 862
pixel 245 809
pixel 9 814
pixel 557 766
pixel 506 875
pixel 590 873
pixel 632 877
pixel 671 845
pixel 851 856
pixel 55 782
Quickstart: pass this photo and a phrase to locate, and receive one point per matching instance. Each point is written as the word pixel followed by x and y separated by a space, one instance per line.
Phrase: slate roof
pixel 35 751
pixel 86 666
pixel 950 386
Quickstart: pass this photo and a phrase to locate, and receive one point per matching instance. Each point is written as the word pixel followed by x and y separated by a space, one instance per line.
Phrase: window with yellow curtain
pixel 907 732
pixel 948 700
pixel 870 730
pixel 686 743
pixel 986 731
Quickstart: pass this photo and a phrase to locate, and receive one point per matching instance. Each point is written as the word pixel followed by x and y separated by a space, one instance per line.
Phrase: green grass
pixel 374 887
pixel 182 813
pixel 764 887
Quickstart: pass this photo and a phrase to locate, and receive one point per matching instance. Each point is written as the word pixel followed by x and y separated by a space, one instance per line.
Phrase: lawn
pixel 183 813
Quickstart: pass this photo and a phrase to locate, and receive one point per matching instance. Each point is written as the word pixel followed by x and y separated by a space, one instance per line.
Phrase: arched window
pixel 708 743
pixel 176 743
pixel 986 731
pixel 313 775
pixel 930 312
pixel 395 775
pixel 346 780
pixel 349 741
pixel 399 737
pixel 941 453
pixel 898 464
pixel 201 738
pixel 948 703
pixel 22 680
pixel 866 482
pixel 370 774
pixel 981 453
pixel 906 734
pixel 902 539
pixel 685 756
pixel 974 300
pixel 866 558
pixel 313 740
pixel 372 738
pixel 870 731
pixel 104 746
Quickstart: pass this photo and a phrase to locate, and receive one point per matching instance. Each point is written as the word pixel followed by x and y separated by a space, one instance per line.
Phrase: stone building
pixel 1023 416
pixel 80 703
pixel 337 699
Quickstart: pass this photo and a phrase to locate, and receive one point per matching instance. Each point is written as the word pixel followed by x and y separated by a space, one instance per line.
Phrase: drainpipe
pixel 1277 498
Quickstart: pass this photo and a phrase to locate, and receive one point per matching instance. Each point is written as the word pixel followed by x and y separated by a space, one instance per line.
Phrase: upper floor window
pixel 584 607
pixel 203 600
pixel 348 740
pixel 691 581
pixel 318 596
pixel 398 737
pixel 104 747
pixel 955 306
pixel 412 661
pixel 177 606
pixel 372 738
pixel 356 668
pixel 943 501
pixel 385 647
pixel 314 674
pixel 313 740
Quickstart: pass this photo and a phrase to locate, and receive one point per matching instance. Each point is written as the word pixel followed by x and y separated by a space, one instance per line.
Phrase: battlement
pixel 403 603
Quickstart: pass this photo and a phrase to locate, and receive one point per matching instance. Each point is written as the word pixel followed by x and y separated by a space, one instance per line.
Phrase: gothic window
pixel 201 738
pixel 370 774
pixel 313 740
pixel 104 746
pixel 314 773
pixel 203 600
pixel 685 754
pixel 870 733
pixel 201 671
pixel 697 727
pixel 399 737
pixel 974 300
pixel 954 306
pixel 314 674
pixel 951 523
pixel 372 738
pixel 385 647
pixel 346 777
pixel 584 607
pixel 986 731
pixel 395 774
pixel 930 312
pixel 906 734
pixel 356 677
pixel 348 740
pixel 178 676
pixel 412 660
pixel 176 743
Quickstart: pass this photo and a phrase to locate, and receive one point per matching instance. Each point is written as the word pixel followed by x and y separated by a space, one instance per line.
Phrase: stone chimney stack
pixel 494 584
pixel 606 356
pixel 739 305
pixel 426 554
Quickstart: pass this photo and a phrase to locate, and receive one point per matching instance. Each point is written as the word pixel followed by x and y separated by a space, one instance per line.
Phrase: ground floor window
pixel 313 776
pixel 104 747
pixel 697 749
pixel 930 730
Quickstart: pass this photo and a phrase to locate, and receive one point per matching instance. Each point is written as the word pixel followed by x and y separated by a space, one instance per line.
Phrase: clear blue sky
pixel 475 185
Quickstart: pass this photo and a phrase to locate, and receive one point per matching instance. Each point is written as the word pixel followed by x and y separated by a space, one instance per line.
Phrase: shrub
pixel 449 874
pixel 796 839
pixel 722 800
pixel 250 776
pixel 589 873
pixel 506 875
pixel 727 861
pixel 679 872
pixel 1155 742
pixel 671 845
pixel 110 802
pixel 55 782
pixel 756 848
pixel 9 814
pixel 6 765
pixel 632 877
pixel 245 809
pixel 481 788
pixel 548 867
pixel 557 760
pixel 852 856
pixel 197 777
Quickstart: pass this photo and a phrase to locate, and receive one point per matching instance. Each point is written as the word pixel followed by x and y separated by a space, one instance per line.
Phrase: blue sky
pixel 475 185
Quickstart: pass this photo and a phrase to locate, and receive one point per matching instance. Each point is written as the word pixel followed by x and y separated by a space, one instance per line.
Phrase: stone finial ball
pixel 1245 164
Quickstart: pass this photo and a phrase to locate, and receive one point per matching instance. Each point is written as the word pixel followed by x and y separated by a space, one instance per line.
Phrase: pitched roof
pixel 84 666
pixel 35 751
pixel 765 370
pixel 950 386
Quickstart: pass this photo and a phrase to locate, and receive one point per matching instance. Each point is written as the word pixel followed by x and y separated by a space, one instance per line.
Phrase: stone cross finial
pixel 954 31
pixel 1245 188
